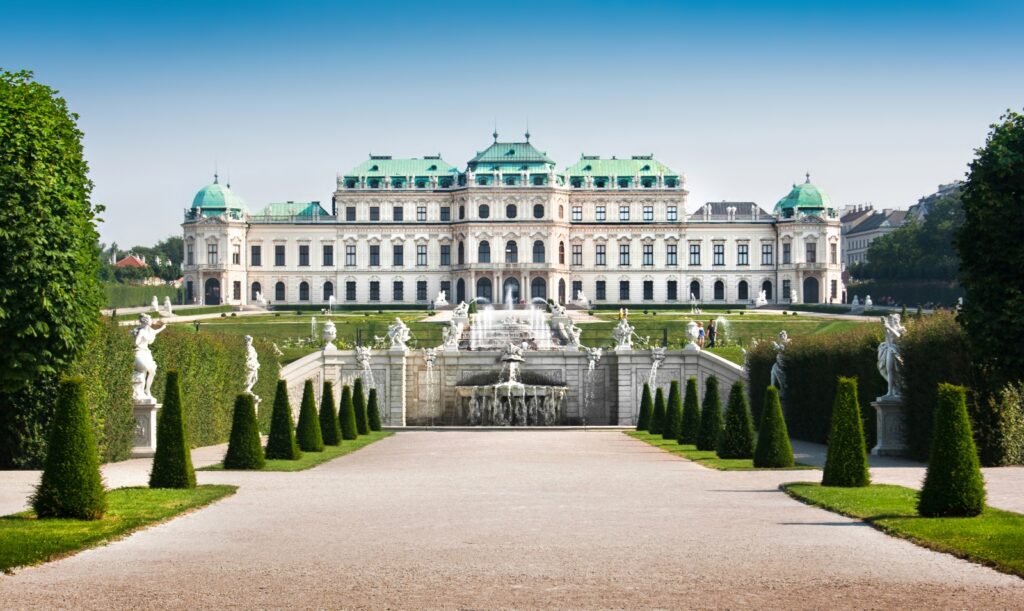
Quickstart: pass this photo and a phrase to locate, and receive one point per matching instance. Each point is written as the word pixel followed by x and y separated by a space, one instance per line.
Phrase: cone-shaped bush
pixel 373 411
pixel 847 461
pixel 643 421
pixel 71 486
pixel 172 463
pixel 737 440
pixel 672 424
pixel 952 485
pixel 307 432
pixel 773 450
pixel 244 448
pixel 710 417
pixel 689 426
pixel 348 414
pixel 281 443
pixel 330 429
pixel 359 404
pixel 658 415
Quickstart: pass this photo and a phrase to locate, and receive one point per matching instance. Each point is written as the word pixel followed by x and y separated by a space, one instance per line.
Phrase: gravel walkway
pixel 510 519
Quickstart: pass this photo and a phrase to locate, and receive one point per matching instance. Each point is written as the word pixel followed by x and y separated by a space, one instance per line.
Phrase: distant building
pixel 132 260
pixel 924 205
pixel 866 228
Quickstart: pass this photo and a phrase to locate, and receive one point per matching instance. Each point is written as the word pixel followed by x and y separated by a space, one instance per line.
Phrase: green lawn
pixel 312 459
pixel 705 458
pixel 27 540
pixel 995 538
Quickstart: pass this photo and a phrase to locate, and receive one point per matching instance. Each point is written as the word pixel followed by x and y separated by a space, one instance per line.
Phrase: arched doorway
pixel 766 286
pixel 538 288
pixel 742 291
pixel 561 291
pixel 483 289
pixel 257 291
pixel 811 290
pixel 695 291
pixel 460 291
pixel 211 292
pixel 510 290
pixel 719 290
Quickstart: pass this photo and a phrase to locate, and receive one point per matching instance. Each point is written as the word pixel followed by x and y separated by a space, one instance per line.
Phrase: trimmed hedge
pixel 307 431
pixel 952 485
pixel 172 464
pixel 373 411
pixel 281 442
pixel 673 422
pixel 846 463
pixel 710 417
pixel 347 415
pixel 643 420
pixel 330 430
pixel 359 404
pixel 773 449
pixel 737 440
pixel 244 448
pixel 689 426
pixel 658 415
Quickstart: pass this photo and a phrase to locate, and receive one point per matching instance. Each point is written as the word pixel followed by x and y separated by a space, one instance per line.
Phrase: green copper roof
pixel 217 198
pixel 294 209
pixel 509 155
pixel 383 165
pixel 639 165
pixel 804 198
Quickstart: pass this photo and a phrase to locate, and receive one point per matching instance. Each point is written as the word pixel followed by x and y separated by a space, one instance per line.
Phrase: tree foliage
pixel 330 430
pixel 689 424
pixel 773 449
pixel 658 415
pixel 359 405
pixel 347 414
pixel 673 421
pixel 643 420
pixel 373 411
pixel 307 431
pixel 737 440
pixel 952 484
pixel 172 464
pixel 710 417
pixel 244 448
pixel 281 442
pixel 846 463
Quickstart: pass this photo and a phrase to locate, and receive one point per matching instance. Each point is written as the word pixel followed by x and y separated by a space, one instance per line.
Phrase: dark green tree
pixel 773 449
pixel 737 440
pixel 359 404
pixel 281 442
pixel 373 411
pixel 689 426
pixel 244 448
pixel 307 431
pixel 643 421
pixel 952 485
pixel 71 486
pixel 672 424
pixel 847 461
pixel 348 414
pixel 658 415
pixel 710 417
pixel 330 429
pixel 172 464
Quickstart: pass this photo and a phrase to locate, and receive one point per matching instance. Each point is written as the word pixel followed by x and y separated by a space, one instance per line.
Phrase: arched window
pixel 538 252
pixel 742 292
pixel 328 290
pixel 695 291
pixel 511 211
pixel 303 291
pixel 483 289
pixel 462 254
pixel 561 212
pixel 484 211
pixel 561 290
pixel 719 290
pixel 510 290
pixel 483 254
pixel 460 291
pixel 462 212
pixel 511 252
pixel 279 291
pixel 538 211
pixel 538 289
pixel 766 286
pixel 561 253
pixel 257 288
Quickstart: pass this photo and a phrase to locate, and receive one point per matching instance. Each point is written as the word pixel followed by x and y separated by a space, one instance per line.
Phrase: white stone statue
pixel 856 301
pixel 398 334
pixel 792 296
pixel 623 333
pixel 581 298
pixel 442 300
pixel 461 310
pixel 574 335
pixel 252 366
pixel 778 374
pixel 155 304
pixel 168 310
pixel 762 299
pixel 558 310
pixel 145 367
pixel 330 334
pixel 889 358
pixel 593 357
pixel 867 302
pixel 430 357
pixel 259 298
pixel 451 334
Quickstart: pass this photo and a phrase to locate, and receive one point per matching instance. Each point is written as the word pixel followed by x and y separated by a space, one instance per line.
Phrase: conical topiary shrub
pixel 307 432
pixel 952 485
pixel 672 424
pixel 658 415
pixel 348 414
pixel 690 423
pixel 847 461
pixel 330 430
pixel 773 450
pixel 373 411
pixel 172 463
pixel 244 448
pixel 737 440
pixel 281 443
pixel 71 486
pixel 359 405
pixel 643 421
pixel 710 417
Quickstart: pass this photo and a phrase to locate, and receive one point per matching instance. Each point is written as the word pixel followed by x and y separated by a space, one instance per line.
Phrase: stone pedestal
pixel 144 441
pixel 891 426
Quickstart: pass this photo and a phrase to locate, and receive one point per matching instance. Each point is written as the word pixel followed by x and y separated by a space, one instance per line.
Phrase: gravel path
pixel 510 519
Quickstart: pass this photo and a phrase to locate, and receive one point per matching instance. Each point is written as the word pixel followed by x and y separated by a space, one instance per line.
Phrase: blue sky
pixel 880 101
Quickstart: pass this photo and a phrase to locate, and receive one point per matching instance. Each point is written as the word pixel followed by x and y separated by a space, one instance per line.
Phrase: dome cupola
pixel 216 199
pixel 804 199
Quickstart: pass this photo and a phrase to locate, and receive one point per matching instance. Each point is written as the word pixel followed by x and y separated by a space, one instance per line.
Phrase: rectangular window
pixel 189 257
pixel 398 291
pixel 236 290
pixel 374 290
pixel 694 254
pixel 834 292
pixel 600 213
pixel 256 255
pixel 279 255
pixel 648 254
pixel 421 214
pixel 599 254
pixel 303 255
pixel 673 290
pixel 623 255
pixel 648 213
pixel 350 290
pixel 211 253
pixel 673 214
pixel 766 254
pixel 398 255
pixel 446 214
pixel 577 286
pixel 671 254
pixel 328 255
pixel 350 255
pixel 786 288
pixel 577 254
pixel 742 254
pixel 398 214
pixel 718 254
pixel 623 213
pixel 236 255
pixel 648 290
pixel 599 291
pixel 812 252
pixel 421 290
pixel 786 254
pixel 421 255
pixel 577 213
pixel 833 254
pixel 374 213
pixel 350 213
pixel 446 254
pixel 374 255
pixel 623 290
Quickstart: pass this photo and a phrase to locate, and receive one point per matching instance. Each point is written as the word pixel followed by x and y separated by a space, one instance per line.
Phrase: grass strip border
pixel 313 459
pixel 703 458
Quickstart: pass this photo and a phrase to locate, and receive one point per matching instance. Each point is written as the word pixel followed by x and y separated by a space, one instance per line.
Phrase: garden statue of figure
pixel 778 374
pixel 461 310
pixel 623 333
pixel 856 301
pixel 155 304
pixel 398 334
pixel 792 296
pixel 889 358
pixel 593 357
pixel 867 302
pixel 330 334
pixel 252 366
pixel 442 299
pixel 167 306
pixel 145 367
pixel 762 299
pixel 581 298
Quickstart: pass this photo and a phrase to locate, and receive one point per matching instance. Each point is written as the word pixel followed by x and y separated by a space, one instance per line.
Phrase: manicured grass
pixel 995 538
pixel 27 540
pixel 705 458
pixel 312 459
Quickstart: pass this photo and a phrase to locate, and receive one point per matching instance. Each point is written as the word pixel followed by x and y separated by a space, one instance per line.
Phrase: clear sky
pixel 880 101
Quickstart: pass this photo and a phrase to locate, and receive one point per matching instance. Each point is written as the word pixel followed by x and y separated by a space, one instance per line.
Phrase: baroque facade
pixel 511 226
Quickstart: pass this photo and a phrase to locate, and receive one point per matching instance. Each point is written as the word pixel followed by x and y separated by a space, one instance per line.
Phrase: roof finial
pixel 527 129
pixel 214 171
pixel 808 178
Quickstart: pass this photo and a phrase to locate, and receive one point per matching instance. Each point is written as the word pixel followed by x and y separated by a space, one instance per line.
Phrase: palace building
pixel 510 225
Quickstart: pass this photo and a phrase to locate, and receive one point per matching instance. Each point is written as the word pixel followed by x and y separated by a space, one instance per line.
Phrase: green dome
pixel 804 199
pixel 217 199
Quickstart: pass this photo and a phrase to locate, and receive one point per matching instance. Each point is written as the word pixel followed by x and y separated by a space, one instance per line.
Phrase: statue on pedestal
pixel 461 310
pixel 442 299
pixel 623 333
pixel 145 367
pixel 155 304
pixel 398 334
pixel 252 367
pixel 330 334
pixel 778 374
pixel 889 358
pixel 167 306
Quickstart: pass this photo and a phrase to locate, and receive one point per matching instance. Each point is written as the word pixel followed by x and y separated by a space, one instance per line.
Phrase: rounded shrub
pixel 847 461
pixel 71 486
pixel 172 463
pixel 773 450
pixel 373 411
pixel 737 439
pixel 658 415
pixel 348 414
pixel 281 442
pixel 359 404
pixel 672 423
pixel 952 484
pixel 710 417
pixel 643 421
pixel 690 422
pixel 307 431
pixel 244 448
pixel 330 430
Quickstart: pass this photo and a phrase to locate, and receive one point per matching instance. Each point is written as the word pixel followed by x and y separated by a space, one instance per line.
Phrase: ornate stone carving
pixel 398 334
pixel 145 367
pixel 889 358
pixel 252 367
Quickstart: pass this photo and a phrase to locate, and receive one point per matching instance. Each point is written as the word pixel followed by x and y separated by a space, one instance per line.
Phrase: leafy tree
pixel 710 417
pixel 329 426
pixel 373 412
pixel 172 464
pixel 773 449
pixel 348 414
pixel 690 423
pixel 847 461
pixel 244 448
pixel 658 415
pixel 49 290
pixel 359 404
pixel 737 440
pixel 71 486
pixel 281 442
pixel 673 421
pixel 952 485
pixel 307 431
pixel 643 421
